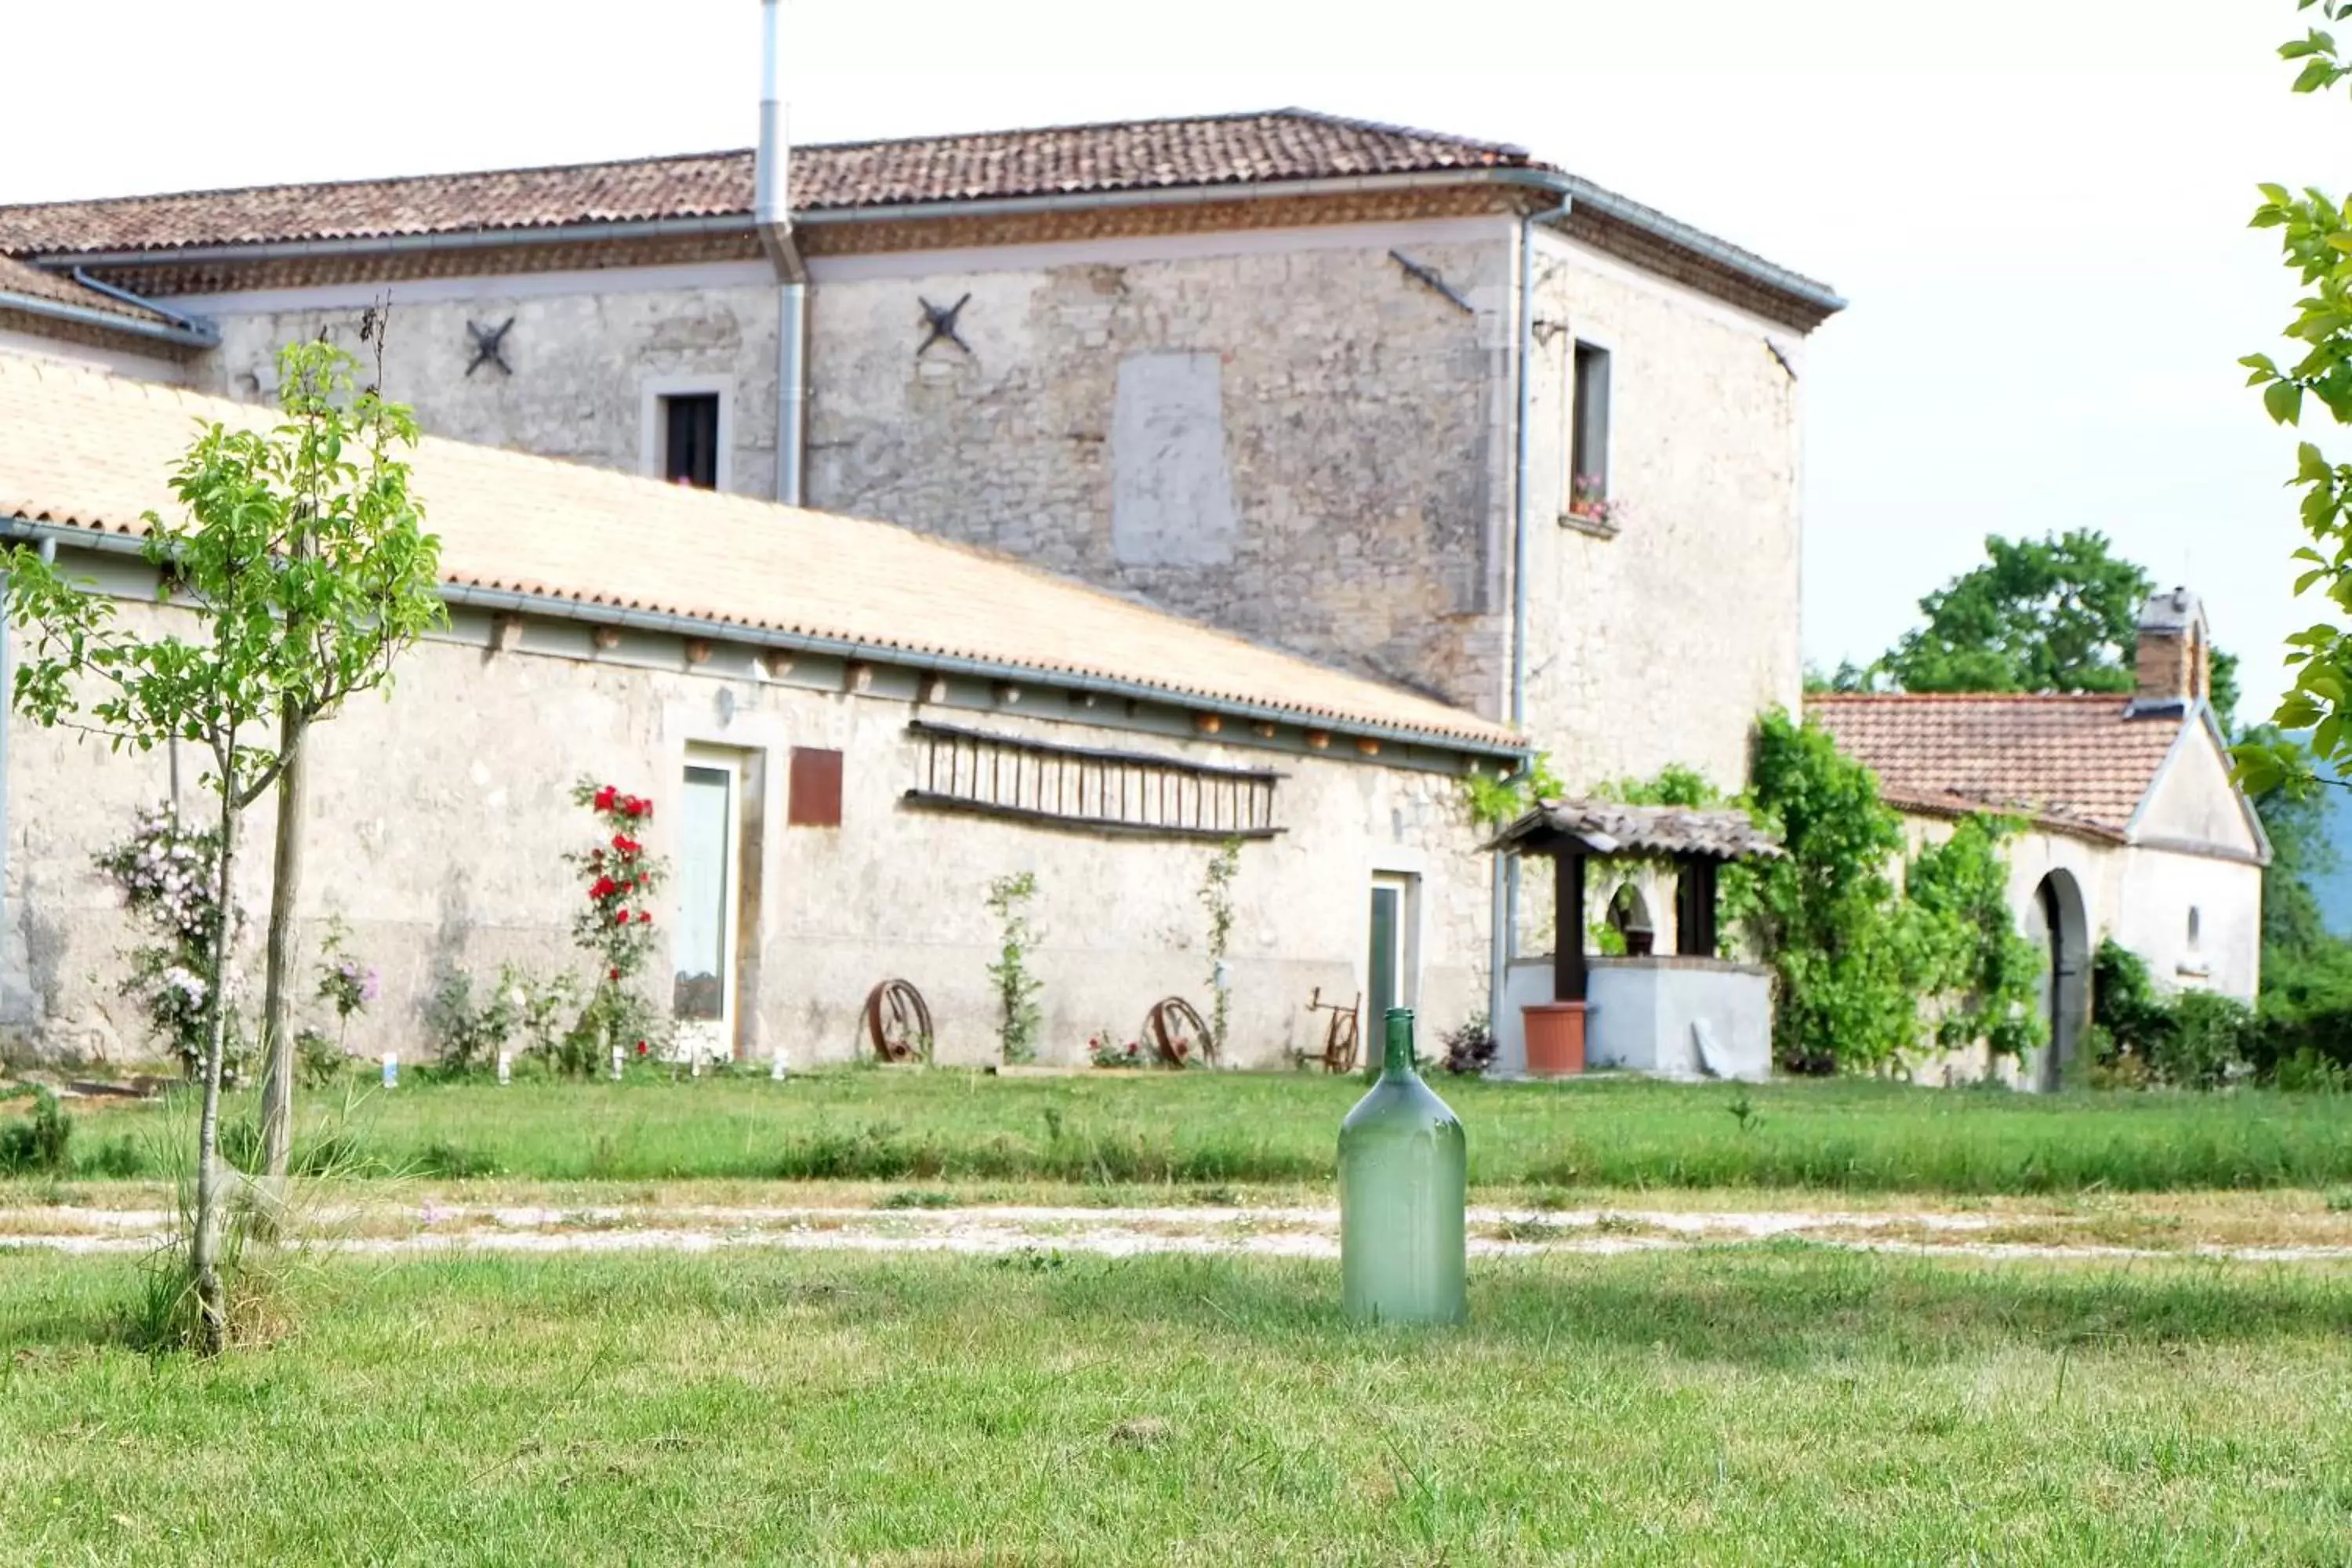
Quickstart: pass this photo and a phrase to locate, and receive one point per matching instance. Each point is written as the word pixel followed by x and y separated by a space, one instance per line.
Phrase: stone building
pixel 848 729
pixel 1419 408
pixel 2134 829
pixel 1321 382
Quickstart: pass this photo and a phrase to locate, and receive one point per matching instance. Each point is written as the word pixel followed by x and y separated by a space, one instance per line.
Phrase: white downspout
pixel 771 210
pixel 1505 889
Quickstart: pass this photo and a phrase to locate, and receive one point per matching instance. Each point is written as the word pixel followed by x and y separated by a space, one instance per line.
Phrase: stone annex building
pixel 1458 453
pixel 2133 828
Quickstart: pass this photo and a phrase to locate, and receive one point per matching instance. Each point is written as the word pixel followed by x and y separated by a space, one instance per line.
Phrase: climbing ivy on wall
pixel 1826 914
pixel 1975 956
pixel 1869 969
pixel 1498 802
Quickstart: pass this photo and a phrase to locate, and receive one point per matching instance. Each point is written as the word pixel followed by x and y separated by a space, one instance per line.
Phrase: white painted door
pixel 709 845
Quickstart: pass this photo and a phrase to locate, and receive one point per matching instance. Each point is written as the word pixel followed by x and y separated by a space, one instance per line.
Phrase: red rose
pixel 604 797
pixel 620 917
pixel 621 843
pixel 612 974
pixel 641 1047
pixel 604 887
pixel 645 917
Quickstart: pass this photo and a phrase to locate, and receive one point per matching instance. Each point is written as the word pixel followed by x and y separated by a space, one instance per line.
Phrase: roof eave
pixel 1552 182
pixel 568 607
pixel 376 244
pixel 1794 286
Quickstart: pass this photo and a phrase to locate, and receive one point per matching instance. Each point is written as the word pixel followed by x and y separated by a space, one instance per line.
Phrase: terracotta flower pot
pixel 1555 1037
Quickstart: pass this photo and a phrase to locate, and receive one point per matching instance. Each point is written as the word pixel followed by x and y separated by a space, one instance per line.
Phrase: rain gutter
pixel 177 332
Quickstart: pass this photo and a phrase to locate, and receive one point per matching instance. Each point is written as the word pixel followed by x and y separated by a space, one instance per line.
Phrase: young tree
pixel 2315 241
pixel 304 569
pixel 358 583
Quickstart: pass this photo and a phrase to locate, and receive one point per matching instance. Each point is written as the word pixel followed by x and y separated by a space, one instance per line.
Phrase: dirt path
pixel 428 1227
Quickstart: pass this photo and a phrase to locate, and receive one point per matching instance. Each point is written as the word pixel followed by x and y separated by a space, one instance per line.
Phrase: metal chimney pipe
pixel 772 211
pixel 768 205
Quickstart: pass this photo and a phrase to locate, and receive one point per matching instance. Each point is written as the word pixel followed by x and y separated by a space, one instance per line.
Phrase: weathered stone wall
pixel 1661 644
pixel 1304 445
pixel 438 818
pixel 583 362
pixel 1280 432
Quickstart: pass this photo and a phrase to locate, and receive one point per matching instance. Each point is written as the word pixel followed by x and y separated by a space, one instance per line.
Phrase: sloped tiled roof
pixel 1282 144
pixel 17 278
pixel 1612 828
pixel 90 450
pixel 2070 762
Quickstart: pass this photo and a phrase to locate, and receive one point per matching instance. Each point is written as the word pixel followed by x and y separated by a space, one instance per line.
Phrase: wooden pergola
pixel 1696 842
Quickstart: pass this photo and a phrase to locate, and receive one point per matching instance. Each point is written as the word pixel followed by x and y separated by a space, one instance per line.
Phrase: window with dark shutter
pixel 690 439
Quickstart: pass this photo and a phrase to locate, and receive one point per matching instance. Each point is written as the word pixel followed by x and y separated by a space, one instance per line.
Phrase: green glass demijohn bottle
pixel 1402 1190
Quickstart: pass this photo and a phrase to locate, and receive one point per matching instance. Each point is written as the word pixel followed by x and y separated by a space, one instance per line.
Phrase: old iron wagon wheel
pixel 897 1023
pixel 1339 1042
pixel 1177 1035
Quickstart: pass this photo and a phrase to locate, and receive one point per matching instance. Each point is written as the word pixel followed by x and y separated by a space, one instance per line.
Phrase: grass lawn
pixel 1778 1404
pixel 1277 1129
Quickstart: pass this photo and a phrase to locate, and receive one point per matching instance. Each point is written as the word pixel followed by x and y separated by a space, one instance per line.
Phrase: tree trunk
pixel 276 1001
pixel 203 1248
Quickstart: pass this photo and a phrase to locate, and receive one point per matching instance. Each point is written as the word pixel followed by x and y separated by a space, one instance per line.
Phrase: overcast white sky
pixel 2036 206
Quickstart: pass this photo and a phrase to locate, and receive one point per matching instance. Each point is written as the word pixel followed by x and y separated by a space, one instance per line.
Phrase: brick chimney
pixel 2173 665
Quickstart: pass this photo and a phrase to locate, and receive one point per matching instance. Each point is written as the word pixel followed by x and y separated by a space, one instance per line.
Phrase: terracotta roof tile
pixel 1282 144
pixel 2071 762
pixel 90 450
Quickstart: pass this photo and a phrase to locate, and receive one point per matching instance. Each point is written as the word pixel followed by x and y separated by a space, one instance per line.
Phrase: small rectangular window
pixel 702 943
pixel 1387 975
pixel 689 426
pixel 813 799
pixel 1588 432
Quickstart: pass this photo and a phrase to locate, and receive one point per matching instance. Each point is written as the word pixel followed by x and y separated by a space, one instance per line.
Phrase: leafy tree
pixel 302 573
pixel 2060 614
pixel 2315 242
pixel 2295 820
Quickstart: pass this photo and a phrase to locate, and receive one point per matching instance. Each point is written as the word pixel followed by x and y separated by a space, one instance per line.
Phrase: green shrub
pixel 2207 1045
pixel 2308 1072
pixel 41 1141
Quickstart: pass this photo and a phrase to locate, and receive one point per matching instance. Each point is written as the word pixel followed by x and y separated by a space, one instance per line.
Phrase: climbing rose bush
pixel 614 925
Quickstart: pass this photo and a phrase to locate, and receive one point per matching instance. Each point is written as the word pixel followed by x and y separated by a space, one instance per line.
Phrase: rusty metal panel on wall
pixel 814 795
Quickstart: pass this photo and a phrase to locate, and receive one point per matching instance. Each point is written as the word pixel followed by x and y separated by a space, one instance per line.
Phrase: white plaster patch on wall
pixel 1171 485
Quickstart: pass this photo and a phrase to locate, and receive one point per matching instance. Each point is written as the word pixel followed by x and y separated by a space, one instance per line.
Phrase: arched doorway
pixel 2056 923
pixel 1629 916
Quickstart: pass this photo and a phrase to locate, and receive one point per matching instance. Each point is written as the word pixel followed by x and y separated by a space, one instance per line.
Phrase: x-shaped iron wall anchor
pixel 942 324
pixel 489 346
